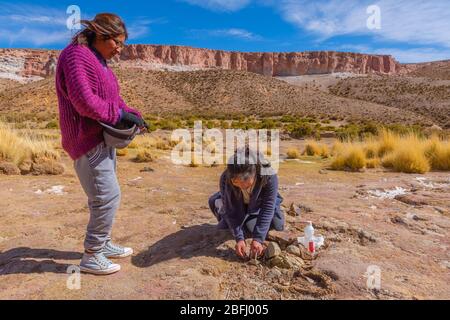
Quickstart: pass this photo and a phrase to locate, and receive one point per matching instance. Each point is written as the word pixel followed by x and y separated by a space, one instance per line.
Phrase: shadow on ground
pixel 194 241
pixel 23 261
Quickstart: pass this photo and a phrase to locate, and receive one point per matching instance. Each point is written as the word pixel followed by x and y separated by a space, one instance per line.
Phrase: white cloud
pixel 407 21
pixel 40 37
pixel 405 55
pixel 226 33
pixel 235 33
pixel 360 48
pixel 220 5
pixel 25 14
pixel 31 25
pixel 141 27
pixel 415 55
pixel 35 26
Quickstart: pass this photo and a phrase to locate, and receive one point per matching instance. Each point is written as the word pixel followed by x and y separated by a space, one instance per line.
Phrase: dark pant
pixel 250 221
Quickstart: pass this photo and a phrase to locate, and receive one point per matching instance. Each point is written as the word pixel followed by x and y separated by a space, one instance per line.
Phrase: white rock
pixel 58 190
pixel 387 193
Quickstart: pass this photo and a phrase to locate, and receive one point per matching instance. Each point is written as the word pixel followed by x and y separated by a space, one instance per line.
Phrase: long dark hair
pixel 246 163
pixel 104 26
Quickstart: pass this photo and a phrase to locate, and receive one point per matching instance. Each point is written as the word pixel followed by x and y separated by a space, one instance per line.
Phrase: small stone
pixel 415 217
pixel 441 210
pixel 322 171
pixel 273 250
pixel 293 210
pixel 147 169
pixel 280 262
pixel 293 249
pixel 273 273
pixel 283 238
pixel 286 262
pixel 305 208
pixel 412 200
pixel 9 168
pixel 398 220
pixel 365 236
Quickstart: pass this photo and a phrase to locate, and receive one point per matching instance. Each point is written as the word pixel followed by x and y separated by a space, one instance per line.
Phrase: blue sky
pixel 410 30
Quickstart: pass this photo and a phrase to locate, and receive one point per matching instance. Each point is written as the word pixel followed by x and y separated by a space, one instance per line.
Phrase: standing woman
pixel 88 93
pixel 248 201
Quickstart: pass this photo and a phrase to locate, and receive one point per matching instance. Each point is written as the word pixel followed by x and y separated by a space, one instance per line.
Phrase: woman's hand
pixel 240 249
pixel 256 249
pixel 132 119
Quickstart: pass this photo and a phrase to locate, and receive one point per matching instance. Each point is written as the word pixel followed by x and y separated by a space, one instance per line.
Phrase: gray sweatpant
pixel 96 171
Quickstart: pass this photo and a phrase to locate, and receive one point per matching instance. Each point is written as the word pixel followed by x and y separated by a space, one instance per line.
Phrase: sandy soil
pixel 179 254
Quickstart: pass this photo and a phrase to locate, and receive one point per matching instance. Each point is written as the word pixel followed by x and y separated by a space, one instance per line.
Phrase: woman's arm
pixel 80 76
pixel 237 231
pixel 122 103
pixel 126 108
pixel 265 217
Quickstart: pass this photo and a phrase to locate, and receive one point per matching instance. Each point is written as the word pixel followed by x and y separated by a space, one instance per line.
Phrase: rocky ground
pixel 397 222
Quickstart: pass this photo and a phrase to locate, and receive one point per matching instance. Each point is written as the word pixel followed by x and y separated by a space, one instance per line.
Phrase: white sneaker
pixel 97 263
pixel 111 250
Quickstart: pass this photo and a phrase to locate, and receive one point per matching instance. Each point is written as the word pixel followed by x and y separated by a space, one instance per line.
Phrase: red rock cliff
pixel 270 64
pixel 42 62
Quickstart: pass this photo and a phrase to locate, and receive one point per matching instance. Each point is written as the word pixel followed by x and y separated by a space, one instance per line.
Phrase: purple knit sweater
pixel 87 92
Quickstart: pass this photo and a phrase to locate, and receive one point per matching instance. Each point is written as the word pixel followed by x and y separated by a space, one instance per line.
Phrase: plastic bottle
pixel 309 237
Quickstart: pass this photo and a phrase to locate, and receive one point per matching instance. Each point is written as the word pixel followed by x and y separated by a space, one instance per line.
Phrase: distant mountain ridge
pixel 29 64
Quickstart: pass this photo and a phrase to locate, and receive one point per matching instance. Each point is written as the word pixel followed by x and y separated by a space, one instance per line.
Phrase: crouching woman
pixel 248 201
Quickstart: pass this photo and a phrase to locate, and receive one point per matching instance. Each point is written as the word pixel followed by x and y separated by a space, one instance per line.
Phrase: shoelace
pixel 102 260
pixel 114 247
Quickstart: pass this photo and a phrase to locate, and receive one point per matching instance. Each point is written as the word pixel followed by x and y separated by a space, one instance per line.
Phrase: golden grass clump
pixel 371 148
pixel 314 148
pixel 293 153
pixel 409 153
pixel 408 160
pixel 387 141
pixel 162 145
pixel 337 147
pixel 349 157
pixel 142 141
pixel 373 163
pixel 437 152
pixel 122 152
pixel 12 146
pixel 133 145
pixel 16 147
pixel 144 155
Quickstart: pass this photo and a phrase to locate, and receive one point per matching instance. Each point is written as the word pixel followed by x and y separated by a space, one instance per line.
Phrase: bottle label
pixel 312 248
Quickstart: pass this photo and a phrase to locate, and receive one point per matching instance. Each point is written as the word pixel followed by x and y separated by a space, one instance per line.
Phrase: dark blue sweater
pixel 264 199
